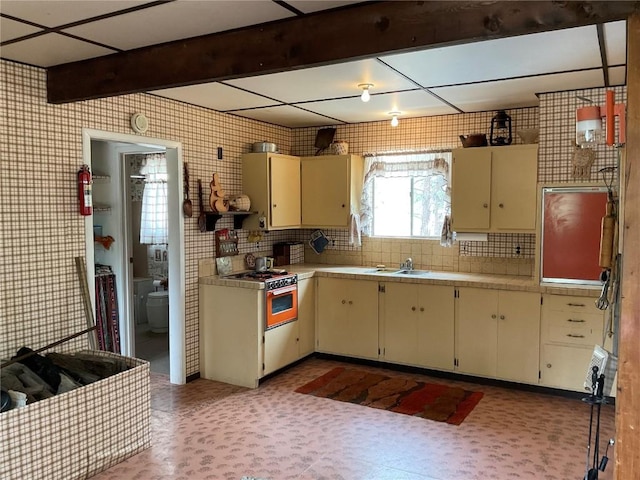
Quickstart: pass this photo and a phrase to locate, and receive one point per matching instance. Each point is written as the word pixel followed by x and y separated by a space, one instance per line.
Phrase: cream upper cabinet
pixel 571 326
pixel 331 189
pixel 272 182
pixel 347 317
pixel 417 325
pixel 494 189
pixel 497 334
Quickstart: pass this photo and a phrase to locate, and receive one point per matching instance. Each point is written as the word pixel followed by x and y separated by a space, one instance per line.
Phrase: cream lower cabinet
pixel 285 344
pixel 417 325
pixel 272 182
pixel 571 327
pixel 497 334
pixel 347 317
pixel 331 189
pixel 493 189
pixel 235 349
pixel 280 347
pixel 231 330
pixel 306 316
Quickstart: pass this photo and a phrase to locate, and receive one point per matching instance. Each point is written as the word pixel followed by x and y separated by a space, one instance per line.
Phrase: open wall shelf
pixel 238 218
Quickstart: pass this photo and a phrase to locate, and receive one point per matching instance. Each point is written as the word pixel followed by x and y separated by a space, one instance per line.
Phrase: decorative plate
pixel 250 260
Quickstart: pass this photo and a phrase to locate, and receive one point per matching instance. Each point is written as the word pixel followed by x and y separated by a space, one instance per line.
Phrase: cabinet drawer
pixel 574 319
pixel 574 335
pixel 567 303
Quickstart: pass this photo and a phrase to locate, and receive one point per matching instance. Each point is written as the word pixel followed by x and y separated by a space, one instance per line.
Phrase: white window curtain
pixel 417 164
pixel 154 223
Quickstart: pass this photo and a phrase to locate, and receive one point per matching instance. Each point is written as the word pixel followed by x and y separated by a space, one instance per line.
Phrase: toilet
pixel 158 311
pixel 141 289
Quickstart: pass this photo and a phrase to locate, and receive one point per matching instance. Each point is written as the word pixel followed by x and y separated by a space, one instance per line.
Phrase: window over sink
pixel 406 195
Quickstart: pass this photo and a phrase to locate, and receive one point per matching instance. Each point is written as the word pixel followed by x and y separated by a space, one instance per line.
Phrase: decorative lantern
pixel 501 129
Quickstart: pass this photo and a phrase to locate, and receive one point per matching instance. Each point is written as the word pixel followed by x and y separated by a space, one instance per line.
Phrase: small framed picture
pixel 158 255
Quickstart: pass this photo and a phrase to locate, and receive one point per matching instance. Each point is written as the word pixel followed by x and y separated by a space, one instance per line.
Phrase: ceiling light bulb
pixel 394 118
pixel 366 96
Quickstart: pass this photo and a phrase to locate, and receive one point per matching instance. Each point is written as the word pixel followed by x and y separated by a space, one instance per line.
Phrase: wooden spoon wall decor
pixel 202 218
pixel 187 206
pixel 217 201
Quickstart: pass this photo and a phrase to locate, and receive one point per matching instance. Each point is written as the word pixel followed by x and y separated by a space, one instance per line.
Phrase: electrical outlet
pixel 518 250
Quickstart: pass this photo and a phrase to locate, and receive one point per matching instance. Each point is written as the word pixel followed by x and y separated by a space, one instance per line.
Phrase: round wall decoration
pixel 139 123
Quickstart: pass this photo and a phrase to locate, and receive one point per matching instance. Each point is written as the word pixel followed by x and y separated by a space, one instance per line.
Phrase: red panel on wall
pixel 571 234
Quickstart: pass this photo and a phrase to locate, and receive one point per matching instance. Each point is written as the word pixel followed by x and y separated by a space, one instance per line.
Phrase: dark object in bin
pixel 41 366
pixel 87 367
pixel 5 401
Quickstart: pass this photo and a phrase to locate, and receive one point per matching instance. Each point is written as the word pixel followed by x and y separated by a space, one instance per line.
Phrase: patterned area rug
pixel 427 400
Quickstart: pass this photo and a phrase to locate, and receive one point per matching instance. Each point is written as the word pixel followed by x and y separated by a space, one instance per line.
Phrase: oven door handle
pixel 281 291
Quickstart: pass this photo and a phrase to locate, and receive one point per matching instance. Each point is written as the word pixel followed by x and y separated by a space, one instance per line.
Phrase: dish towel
pixel 446 238
pixel 354 230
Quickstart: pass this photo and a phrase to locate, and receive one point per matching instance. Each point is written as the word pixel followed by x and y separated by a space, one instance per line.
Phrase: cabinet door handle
pixel 575 320
pixel 548 365
pixel 422 309
pixel 576 304
pixel 485 205
pixel 413 309
pixel 344 301
pixel 274 205
pixel 574 336
pixel 343 205
pixel 501 317
pixel 350 302
pixel 501 205
pixel 494 316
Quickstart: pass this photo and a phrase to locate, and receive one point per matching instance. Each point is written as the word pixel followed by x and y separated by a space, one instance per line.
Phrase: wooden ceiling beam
pixel 362 31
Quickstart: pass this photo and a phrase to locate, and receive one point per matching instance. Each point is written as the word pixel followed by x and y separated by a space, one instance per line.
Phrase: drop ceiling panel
pixel 415 103
pixel 516 93
pixel 53 13
pixel 286 116
pixel 52 49
pixel 618 76
pixel 216 96
pixel 615 36
pixel 332 81
pixel 10 29
pixel 557 51
pixel 178 20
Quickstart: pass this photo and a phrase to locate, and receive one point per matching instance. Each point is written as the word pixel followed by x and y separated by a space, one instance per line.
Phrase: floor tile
pixel 211 430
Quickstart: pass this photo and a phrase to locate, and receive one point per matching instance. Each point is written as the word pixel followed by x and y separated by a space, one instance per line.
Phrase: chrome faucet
pixel 407 264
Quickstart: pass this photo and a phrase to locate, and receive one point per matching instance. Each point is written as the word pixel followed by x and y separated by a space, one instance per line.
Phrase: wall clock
pixel 139 123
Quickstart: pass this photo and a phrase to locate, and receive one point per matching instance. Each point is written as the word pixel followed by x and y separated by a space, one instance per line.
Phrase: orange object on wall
pixel 571 228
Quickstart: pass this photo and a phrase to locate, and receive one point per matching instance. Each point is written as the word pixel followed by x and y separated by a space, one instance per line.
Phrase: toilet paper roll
pixel 157 283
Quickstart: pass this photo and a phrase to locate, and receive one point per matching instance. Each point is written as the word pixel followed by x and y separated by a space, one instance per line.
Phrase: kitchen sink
pixel 411 272
pixel 395 271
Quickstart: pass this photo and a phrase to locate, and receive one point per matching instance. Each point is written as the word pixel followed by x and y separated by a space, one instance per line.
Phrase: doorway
pixel 116 223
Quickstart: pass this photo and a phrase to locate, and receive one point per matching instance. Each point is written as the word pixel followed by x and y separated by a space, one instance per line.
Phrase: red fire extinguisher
pixel 84 190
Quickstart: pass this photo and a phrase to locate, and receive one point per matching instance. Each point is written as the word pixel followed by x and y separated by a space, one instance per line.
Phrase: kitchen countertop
pixel 459 279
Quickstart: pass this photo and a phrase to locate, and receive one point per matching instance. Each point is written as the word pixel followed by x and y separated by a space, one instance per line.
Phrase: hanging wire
pixel 608 177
